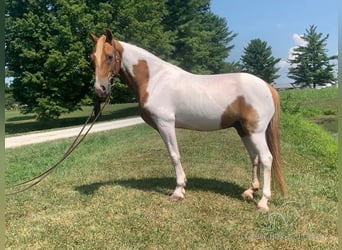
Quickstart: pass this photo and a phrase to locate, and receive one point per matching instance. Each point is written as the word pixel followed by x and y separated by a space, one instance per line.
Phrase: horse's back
pixel 205 102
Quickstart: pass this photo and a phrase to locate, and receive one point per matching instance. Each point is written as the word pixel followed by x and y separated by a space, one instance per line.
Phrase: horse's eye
pixel 109 57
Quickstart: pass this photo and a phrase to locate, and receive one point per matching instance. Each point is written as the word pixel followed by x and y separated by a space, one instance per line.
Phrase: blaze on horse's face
pixel 105 63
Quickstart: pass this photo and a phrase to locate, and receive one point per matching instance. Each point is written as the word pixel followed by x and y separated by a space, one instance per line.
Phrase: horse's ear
pixel 109 36
pixel 93 37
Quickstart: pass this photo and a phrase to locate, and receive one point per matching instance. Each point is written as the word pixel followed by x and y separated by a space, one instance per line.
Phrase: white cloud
pixel 299 41
pixel 283 64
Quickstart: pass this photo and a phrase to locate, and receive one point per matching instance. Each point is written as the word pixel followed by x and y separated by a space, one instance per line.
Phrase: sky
pixel 280 23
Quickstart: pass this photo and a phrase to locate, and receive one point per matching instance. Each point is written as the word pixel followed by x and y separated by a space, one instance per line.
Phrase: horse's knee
pixel 175 158
pixel 266 161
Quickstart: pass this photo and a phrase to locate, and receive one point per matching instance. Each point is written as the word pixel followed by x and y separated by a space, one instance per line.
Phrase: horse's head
pixel 106 61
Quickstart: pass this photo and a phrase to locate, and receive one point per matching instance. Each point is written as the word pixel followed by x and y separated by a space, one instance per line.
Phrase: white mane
pixel 133 53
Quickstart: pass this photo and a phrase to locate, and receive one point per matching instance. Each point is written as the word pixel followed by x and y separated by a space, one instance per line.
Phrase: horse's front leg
pixel 168 133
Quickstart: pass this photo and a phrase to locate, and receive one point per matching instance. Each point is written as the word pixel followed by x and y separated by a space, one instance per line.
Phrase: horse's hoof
pixel 263 209
pixel 175 197
pixel 248 194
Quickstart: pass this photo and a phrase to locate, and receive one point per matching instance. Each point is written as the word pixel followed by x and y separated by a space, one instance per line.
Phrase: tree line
pixel 47 46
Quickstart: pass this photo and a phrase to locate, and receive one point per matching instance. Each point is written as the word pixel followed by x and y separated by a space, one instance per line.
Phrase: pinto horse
pixel 170 98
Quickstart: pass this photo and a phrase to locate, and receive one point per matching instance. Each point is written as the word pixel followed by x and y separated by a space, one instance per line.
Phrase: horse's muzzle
pixel 102 90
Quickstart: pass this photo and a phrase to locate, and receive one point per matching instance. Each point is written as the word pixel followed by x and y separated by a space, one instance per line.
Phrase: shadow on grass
pixel 14 128
pixel 160 184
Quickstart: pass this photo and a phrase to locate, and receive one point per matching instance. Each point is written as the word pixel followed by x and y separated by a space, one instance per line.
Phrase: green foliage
pixel 122 94
pixel 47 45
pixel 46 52
pixel 231 67
pixel 200 38
pixel 9 99
pixel 258 60
pixel 311 65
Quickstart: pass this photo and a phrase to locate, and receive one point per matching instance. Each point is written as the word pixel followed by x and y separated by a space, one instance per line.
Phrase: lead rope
pixel 35 180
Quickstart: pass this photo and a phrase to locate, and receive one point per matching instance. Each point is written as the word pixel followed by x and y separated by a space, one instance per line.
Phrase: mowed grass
pixel 112 193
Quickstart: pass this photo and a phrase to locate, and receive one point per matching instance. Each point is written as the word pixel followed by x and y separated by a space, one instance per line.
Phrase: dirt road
pixel 17 141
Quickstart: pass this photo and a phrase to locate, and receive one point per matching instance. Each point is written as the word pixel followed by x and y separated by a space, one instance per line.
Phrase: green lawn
pixel 112 193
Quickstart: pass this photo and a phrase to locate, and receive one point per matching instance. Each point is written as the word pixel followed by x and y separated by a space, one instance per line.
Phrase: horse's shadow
pixel 167 183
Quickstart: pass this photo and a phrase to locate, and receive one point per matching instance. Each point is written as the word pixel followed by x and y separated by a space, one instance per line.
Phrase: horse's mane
pixel 150 56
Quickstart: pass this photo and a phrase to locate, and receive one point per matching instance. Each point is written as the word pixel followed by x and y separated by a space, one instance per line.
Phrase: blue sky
pixel 278 22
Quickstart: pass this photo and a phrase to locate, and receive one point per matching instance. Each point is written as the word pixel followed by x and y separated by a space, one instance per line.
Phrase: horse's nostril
pixel 103 88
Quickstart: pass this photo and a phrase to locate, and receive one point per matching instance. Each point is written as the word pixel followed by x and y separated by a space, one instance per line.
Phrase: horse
pixel 170 97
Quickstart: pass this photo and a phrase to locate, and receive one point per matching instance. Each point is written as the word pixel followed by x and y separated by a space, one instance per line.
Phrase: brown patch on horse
pixel 141 76
pixel 138 84
pixel 241 115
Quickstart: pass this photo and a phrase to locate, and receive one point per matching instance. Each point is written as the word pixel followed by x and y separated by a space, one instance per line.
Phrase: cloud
pixel 299 41
pixel 283 64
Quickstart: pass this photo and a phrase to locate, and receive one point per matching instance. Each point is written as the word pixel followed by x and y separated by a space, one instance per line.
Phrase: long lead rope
pixel 35 180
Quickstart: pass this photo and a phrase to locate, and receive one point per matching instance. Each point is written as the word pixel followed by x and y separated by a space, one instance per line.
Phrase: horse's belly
pixel 195 120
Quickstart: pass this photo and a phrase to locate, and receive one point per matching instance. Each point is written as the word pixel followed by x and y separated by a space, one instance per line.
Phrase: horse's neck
pixel 132 55
pixel 141 68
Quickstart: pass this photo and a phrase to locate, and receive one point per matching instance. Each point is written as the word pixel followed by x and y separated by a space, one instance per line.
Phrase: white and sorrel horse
pixel 170 98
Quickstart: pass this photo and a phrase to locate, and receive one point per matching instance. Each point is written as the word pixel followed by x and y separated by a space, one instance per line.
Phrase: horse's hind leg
pixel 168 133
pixel 265 157
pixel 248 194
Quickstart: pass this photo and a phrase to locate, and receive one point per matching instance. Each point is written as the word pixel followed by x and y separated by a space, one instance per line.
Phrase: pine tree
pixel 258 60
pixel 310 65
pixel 45 51
pixel 200 38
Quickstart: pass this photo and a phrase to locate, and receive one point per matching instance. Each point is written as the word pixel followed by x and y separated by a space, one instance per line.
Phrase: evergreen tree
pixel 200 38
pixel 310 65
pixel 258 60
pixel 45 51
pixel 231 67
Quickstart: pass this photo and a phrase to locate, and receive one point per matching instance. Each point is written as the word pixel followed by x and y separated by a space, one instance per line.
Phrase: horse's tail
pixel 273 142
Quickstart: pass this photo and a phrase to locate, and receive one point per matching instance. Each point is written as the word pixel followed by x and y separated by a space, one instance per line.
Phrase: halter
pixel 116 66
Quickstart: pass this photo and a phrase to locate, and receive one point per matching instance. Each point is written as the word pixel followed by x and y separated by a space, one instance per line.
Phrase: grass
pixel 112 193
pixel 319 106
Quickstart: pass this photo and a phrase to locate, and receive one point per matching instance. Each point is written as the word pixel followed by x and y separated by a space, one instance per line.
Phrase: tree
pixel 9 100
pixel 310 65
pixel 45 51
pixel 200 38
pixel 231 67
pixel 258 60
